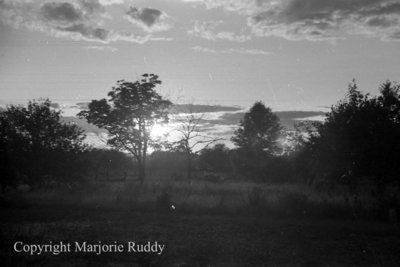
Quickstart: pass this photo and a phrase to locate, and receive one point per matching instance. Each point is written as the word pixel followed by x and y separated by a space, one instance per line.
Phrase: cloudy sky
pixel 291 54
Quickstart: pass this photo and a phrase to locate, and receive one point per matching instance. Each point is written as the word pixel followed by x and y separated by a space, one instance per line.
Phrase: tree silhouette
pixel 360 138
pixel 191 140
pixel 35 143
pixel 259 130
pixel 128 114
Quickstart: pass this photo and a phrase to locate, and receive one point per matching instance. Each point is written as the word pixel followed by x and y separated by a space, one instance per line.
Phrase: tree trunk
pixel 142 173
pixel 107 172
pixel 189 167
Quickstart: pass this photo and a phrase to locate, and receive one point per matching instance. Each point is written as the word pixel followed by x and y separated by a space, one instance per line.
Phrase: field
pixel 201 224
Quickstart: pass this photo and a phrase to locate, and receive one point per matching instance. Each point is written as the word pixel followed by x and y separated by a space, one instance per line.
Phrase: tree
pixel 35 143
pixel 359 138
pixel 259 130
pixel 128 114
pixel 191 140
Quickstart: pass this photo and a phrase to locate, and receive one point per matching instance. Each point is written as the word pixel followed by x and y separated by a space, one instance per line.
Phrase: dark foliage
pixel 36 146
pixel 359 141
pixel 128 114
pixel 258 140
pixel 259 130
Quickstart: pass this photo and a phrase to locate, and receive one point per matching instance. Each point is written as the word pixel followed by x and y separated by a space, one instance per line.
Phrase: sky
pixel 290 54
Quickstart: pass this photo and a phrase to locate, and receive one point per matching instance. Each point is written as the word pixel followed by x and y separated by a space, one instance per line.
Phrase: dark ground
pixel 199 240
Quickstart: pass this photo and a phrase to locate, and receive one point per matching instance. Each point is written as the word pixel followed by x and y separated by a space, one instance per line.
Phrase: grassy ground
pixel 195 233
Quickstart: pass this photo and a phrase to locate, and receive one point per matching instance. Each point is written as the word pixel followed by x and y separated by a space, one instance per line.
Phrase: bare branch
pixel 192 141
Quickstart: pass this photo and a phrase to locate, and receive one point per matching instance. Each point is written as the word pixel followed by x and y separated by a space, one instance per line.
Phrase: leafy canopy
pixel 259 130
pixel 128 114
pixel 38 127
pixel 360 137
pixel 35 143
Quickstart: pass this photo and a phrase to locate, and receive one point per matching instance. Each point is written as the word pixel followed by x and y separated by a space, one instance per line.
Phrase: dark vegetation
pixel 323 193
pixel 128 114
pixel 36 148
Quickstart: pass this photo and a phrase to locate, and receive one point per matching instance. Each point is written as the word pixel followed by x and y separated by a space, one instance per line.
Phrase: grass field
pixel 212 225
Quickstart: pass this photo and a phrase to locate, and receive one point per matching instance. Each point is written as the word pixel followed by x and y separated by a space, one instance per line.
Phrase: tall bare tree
pixel 191 139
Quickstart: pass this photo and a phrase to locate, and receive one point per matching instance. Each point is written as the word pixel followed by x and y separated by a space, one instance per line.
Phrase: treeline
pixel 357 144
pixel 35 146
pixel 38 149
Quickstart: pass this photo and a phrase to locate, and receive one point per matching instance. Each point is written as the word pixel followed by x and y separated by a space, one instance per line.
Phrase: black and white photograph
pixel 199 133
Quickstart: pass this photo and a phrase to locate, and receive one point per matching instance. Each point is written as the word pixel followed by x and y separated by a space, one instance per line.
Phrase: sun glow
pixel 159 130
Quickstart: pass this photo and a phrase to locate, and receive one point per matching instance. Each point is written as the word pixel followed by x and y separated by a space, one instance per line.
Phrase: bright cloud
pixel 232 51
pixel 208 30
pixel 204 49
pixel 149 19
pixel 319 20
pixel 315 19
pixel 102 48
pixel 77 20
pixel 111 2
pixel 238 6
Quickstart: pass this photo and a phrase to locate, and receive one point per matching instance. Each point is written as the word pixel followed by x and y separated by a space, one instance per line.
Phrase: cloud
pixel 395 36
pixel 207 30
pixel 238 6
pixel 81 10
pixel 134 38
pixel 102 48
pixel 92 6
pixel 74 20
pixel 321 20
pixel 64 12
pixel 87 32
pixel 381 22
pixel 315 19
pixel 149 19
pixel 287 118
pixel 232 51
pixel 247 51
pixel 204 49
pixel 78 20
pixel 111 2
